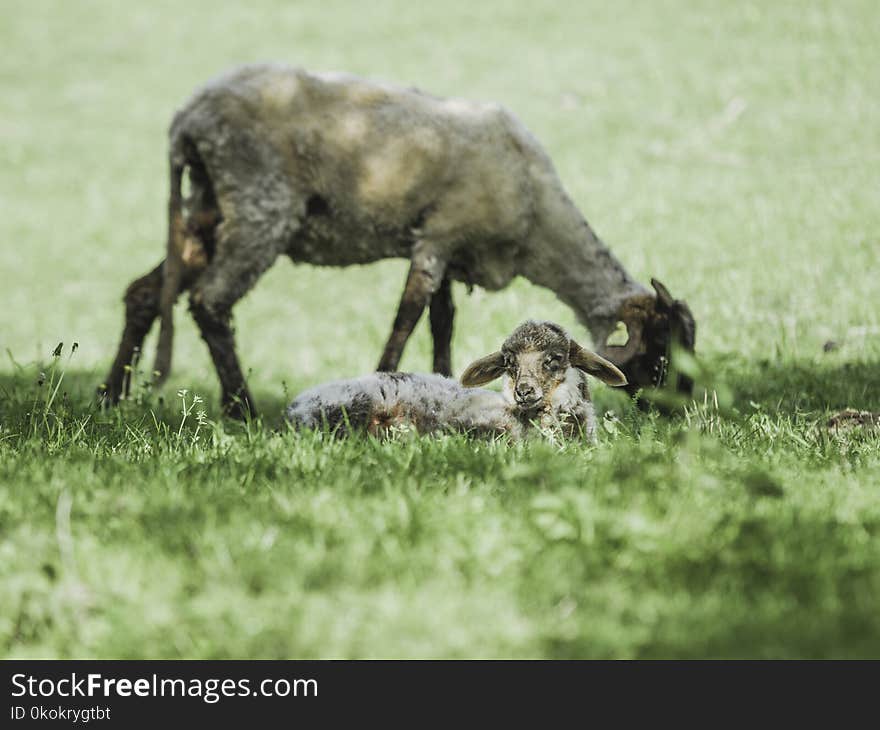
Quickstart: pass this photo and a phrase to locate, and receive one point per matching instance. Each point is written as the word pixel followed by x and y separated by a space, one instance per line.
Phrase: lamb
pixel 545 385
pixel 335 170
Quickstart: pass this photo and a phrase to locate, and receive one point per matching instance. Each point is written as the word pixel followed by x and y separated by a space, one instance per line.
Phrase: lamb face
pixel 536 363
pixel 544 373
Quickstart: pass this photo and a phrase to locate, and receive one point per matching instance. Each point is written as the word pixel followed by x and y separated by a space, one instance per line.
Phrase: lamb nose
pixel 524 392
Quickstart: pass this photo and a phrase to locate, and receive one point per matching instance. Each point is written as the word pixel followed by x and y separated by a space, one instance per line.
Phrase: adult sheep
pixel 335 170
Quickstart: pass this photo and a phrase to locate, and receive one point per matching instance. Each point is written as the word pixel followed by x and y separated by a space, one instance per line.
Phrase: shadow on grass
pixel 777 387
pixel 793 387
pixel 32 388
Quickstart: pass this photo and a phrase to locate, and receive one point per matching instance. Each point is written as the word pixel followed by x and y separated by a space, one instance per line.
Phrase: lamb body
pixel 335 170
pixel 545 384
pixel 380 402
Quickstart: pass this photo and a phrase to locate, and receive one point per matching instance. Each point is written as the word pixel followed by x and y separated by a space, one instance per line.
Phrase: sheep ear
pixel 484 370
pixel 663 296
pixel 594 365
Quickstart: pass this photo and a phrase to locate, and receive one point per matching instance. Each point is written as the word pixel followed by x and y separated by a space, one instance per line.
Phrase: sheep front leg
pixel 442 313
pixel 426 273
pixel 141 309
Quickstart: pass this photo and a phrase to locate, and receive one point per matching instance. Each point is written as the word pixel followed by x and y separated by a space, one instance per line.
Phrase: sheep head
pixel 654 327
pixel 537 358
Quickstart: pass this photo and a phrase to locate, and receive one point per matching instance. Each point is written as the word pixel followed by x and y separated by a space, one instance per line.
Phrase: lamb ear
pixel 594 365
pixel 484 370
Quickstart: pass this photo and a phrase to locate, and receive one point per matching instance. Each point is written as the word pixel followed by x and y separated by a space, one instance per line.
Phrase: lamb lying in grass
pixel 545 385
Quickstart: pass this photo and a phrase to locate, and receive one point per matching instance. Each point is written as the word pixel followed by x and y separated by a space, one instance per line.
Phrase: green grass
pixel 730 149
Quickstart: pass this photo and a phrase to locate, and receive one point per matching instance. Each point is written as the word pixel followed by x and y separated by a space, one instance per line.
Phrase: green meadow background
pixel 730 149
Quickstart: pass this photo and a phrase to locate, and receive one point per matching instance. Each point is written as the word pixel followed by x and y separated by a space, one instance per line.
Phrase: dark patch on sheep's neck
pixel 419 222
pixel 317 205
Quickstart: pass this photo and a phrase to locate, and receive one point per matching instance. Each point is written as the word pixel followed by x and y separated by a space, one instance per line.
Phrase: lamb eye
pixel 552 363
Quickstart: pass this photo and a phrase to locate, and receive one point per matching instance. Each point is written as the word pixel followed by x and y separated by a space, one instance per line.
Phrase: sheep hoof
pixel 240 409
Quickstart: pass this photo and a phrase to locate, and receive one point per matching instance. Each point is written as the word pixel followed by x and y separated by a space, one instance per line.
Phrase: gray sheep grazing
pixel 335 170
pixel 545 384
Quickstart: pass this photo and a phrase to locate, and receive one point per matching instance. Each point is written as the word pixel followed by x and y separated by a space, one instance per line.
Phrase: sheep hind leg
pixel 141 309
pixel 216 328
pixel 227 278
pixel 426 273
pixel 442 313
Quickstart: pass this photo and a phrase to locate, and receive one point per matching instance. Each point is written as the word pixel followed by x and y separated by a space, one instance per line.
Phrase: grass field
pixel 730 149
